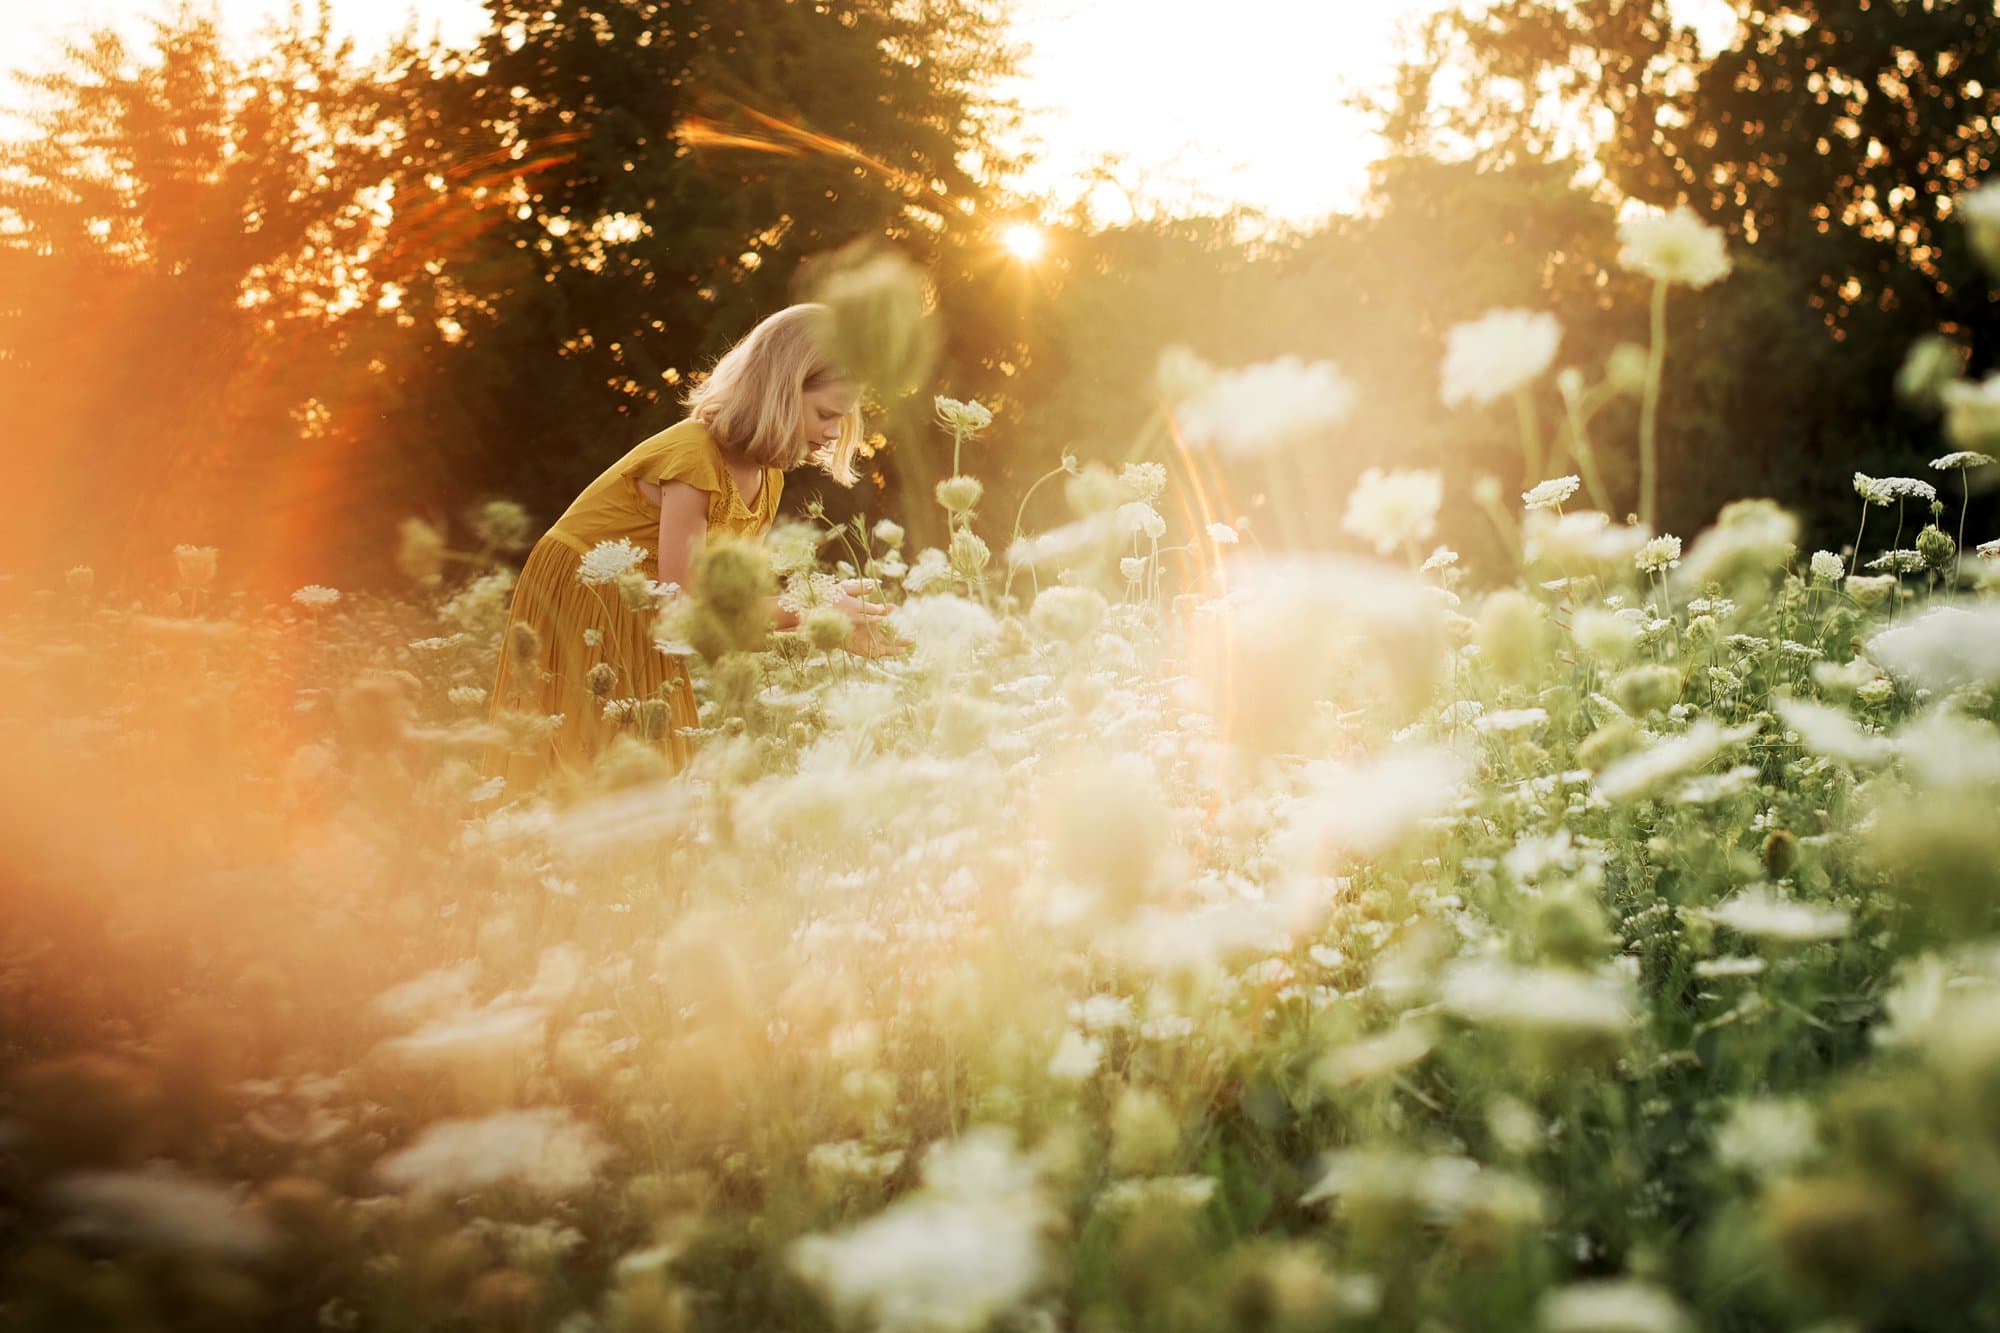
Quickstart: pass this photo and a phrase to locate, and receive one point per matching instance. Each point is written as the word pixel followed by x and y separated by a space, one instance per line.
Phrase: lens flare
pixel 1025 242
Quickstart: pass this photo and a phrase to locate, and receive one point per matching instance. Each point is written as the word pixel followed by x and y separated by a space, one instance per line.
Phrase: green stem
pixel 1854 565
pixel 1958 552
pixel 1649 412
pixel 1531 437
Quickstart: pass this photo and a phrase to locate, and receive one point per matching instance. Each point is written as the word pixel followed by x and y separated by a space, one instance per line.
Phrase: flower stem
pixel 1854 565
pixel 1649 411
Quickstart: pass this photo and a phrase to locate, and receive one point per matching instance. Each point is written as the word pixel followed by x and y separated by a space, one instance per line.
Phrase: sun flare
pixel 1025 242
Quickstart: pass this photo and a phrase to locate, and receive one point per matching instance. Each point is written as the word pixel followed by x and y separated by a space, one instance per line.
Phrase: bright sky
pixel 1203 105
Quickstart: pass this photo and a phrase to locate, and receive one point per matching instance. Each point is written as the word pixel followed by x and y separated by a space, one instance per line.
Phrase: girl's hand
pixel 849 600
pixel 874 638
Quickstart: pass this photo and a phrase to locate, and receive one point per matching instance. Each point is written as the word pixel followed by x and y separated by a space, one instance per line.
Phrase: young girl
pixel 773 402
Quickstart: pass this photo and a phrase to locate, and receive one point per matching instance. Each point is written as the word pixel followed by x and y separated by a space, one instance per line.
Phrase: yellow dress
pixel 561 609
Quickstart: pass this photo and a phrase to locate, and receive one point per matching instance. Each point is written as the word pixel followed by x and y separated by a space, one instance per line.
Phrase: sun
pixel 1025 242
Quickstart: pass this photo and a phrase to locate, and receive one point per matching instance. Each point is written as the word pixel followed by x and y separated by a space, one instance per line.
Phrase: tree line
pixel 275 300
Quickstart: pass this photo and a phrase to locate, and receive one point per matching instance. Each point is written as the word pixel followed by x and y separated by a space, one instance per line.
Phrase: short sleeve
pixel 682 453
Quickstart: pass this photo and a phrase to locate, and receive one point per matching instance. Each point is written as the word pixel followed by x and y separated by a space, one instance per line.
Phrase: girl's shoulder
pixel 684 451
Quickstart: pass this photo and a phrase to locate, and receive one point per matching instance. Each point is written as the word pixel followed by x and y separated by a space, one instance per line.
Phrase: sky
pixel 1196 113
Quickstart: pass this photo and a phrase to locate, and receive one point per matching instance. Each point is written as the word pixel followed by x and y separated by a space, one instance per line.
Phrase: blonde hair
pixel 752 401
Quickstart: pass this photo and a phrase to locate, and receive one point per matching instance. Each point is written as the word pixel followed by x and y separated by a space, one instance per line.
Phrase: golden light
pixel 1025 242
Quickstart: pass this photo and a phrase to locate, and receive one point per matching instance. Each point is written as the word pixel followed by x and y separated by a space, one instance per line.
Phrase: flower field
pixel 1185 934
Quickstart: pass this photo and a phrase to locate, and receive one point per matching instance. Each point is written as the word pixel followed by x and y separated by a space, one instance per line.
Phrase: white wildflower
pixel 1768 1136
pixel 1266 406
pixel 1942 647
pixel 1830 731
pixel 1972 413
pixel 966 418
pixel 1635 775
pixel 1620 1305
pixel 1549 494
pixel 1222 534
pixel 605 561
pixel 1761 914
pixel 1828 567
pixel 1539 999
pixel 948 1258
pixel 1076 1057
pixel 316 597
pixel 1490 357
pixel 1391 509
pixel 1675 247
pixel 543 1151
pixel 162 1207
pixel 1964 458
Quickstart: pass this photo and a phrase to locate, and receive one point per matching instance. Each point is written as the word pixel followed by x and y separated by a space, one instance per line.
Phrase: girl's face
pixel 823 408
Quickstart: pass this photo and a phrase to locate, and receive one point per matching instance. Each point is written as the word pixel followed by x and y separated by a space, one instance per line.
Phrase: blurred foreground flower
pixel 1677 248
pixel 1264 407
pixel 964 1248
pixel 1490 357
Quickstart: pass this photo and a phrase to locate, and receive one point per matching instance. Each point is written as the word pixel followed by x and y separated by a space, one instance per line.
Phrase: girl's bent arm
pixel 683 529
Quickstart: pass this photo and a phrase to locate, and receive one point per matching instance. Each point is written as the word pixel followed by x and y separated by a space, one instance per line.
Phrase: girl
pixel 775 400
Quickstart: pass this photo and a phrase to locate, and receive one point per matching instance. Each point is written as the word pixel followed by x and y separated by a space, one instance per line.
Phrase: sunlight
pixel 1025 242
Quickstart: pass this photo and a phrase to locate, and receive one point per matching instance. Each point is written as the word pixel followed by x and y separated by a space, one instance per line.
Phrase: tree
pixel 176 243
pixel 615 190
pixel 1827 140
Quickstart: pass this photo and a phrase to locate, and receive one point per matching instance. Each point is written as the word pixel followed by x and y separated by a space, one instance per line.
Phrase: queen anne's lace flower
pixel 1548 494
pixel 1491 357
pixel 1675 247
pixel 605 561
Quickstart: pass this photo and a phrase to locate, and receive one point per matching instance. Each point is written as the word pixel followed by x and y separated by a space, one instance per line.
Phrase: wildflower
pixel 195 565
pixel 952 1255
pixel 163 1207
pixel 1935 547
pixel 502 525
pixel 1768 1136
pixel 1942 648
pixel 316 597
pixel 1646 689
pixel 1828 567
pixel 1553 1000
pixel 1635 775
pixel 1932 362
pixel 851 1159
pixel 963 418
pixel 1143 481
pixel 1443 1187
pixel 1492 356
pixel 1869 590
pixel 1370 1058
pixel 80 579
pixel 1872 490
pixel 1981 210
pixel 968 553
pixel 826 628
pixel 1582 542
pixel 1964 458
pixel 1760 914
pixel 419 550
pixel 1627 369
pixel 889 533
pixel 1509 720
pixel 1604 635
pixel 959 494
pixel 1617 1305
pixel 1145 1132
pixel 1676 247
pixel 1549 494
pixel 1137 517
pixel 1659 553
pixel 943 626
pixel 1749 540
pixel 1441 558
pixel 1066 613
pixel 1511 633
pixel 930 567
pixel 1222 534
pixel 1263 407
pixel 1363 807
pixel 1132 568
pixel 1391 509
pixel 543 1151
pixel 1899 562
pixel 605 561
pixel 1829 731
pixel 1729 967
pixel 436 992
